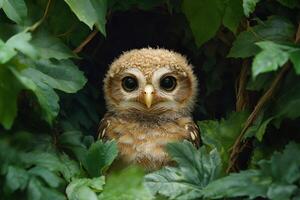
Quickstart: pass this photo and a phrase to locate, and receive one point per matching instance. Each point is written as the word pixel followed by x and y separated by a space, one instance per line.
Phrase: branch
pixel 86 41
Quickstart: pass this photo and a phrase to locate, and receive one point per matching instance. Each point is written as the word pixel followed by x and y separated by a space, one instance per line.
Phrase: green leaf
pixel 50 47
pixel 18 42
pixel 270 58
pixel 37 191
pixel 196 168
pixel 99 157
pixel 275 179
pixel 47 76
pixel 171 183
pixel 290 3
pixel 85 189
pixel 91 12
pixel 276 29
pixel 250 183
pixel 222 135
pixel 9 90
pixel 131 186
pixel 21 43
pixel 249 6
pixel 16 178
pixel 52 179
pixel 15 10
pixel 233 14
pixel 196 13
pixel 6 53
pixel 46 96
pixel 62 75
pixel 295 58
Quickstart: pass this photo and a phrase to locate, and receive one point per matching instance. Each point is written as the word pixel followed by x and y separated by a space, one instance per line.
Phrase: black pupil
pixel 129 83
pixel 168 83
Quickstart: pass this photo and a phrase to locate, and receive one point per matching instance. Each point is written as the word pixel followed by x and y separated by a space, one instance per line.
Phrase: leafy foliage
pixel 53 56
pixel 196 168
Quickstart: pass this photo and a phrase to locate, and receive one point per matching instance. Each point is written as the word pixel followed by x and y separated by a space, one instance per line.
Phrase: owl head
pixel 150 82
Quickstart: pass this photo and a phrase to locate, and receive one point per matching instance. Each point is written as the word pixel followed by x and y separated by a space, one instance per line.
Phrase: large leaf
pixel 197 12
pixel 91 12
pixel 15 10
pixel 85 189
pixel 131 186
pixel 47 76
pixel 37 191
pixel 196 168
pixel 275 29
pixel 16 178
pixel 222 135
pixel 275 179
pixel 233 14
pixel 50 47
pixel 9 90
pixel 270 58
pixel 250 183
pixel 99 157
pixel 18 42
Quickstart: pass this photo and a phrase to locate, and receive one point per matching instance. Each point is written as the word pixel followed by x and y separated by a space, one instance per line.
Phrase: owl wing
pixel 194 133
pixel 103 126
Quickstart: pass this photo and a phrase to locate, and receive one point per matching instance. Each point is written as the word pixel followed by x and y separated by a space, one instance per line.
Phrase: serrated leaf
pixel 270 58
pixel 233 14
pixel 250 183
pixel 170 182
pixel 131 186
pixel 196 168
pixel 91 12
pixel 274 179
pixel 99 157
pixel 222 134
pixel 15 10
pixel 276 29
pixel 50 47
pixel 85 189
pixel 21 42
pixel 37 191
pixel 249 6
pixel 47 76
pixel 52 179
pixel 16 178
pixel 197 11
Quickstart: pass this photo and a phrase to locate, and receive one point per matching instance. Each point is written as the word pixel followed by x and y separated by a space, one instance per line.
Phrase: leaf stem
pixel 38 23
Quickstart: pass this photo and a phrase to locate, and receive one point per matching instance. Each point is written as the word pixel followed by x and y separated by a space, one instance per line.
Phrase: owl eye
pixel 129 83
pixel 168 83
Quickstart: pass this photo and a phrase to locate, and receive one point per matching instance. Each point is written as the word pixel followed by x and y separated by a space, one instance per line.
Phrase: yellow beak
pixel 148 97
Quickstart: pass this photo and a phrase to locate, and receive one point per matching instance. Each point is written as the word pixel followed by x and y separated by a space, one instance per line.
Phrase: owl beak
pixel 148 97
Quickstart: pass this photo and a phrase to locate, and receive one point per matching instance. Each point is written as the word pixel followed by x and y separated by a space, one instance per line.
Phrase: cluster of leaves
pixel 50 103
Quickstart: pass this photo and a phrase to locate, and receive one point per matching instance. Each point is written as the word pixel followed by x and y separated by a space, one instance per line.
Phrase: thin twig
pixel 38 23
pixel 237 147
pixel 239 144
pixel 241 93
pixel 86 41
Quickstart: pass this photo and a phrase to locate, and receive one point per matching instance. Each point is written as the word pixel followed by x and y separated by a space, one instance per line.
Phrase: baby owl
pixel 149 95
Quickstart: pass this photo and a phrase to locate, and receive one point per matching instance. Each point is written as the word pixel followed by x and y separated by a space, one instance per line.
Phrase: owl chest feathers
pixel 144 143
